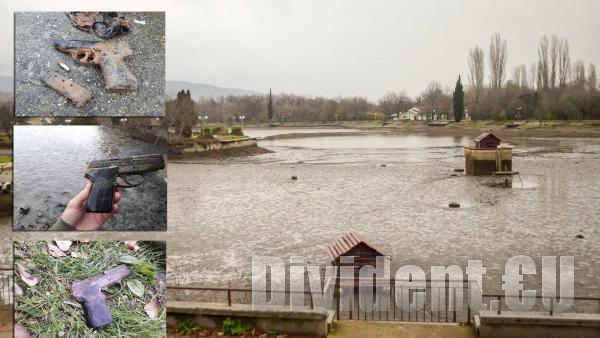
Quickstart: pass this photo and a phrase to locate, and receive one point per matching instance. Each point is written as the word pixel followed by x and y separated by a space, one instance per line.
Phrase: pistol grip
pixel 97 314
pixel 104 184
pixel 116 74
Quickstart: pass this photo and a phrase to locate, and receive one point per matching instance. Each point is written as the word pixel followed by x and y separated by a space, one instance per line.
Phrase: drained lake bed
pixel 393 189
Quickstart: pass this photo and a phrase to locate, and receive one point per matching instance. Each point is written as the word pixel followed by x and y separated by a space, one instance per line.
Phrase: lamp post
pixel 242 117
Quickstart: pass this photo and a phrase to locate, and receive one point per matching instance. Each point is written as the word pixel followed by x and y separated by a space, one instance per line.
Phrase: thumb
pixel 80 198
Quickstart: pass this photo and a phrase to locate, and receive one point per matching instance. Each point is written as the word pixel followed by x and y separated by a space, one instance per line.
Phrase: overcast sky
pixel 342 47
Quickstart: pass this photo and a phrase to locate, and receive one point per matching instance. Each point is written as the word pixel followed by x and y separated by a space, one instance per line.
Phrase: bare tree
pixel 433 97
pixel 542 65
pixel 592 78
pixel 7 113
pixel 519 76
pixel 554 54
pixel 476 73
pixel 579 74
pixel 497 61
pixel 564 64
pixel 533 75
pixel 516 75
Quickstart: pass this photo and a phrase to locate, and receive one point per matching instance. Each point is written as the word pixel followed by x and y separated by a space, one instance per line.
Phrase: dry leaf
pixel 64 245
pixel 220 334
pixel 132 245
pixel 18 291
pixel 55 251
pixel 27 277
pixel 20 332
pixel 152 308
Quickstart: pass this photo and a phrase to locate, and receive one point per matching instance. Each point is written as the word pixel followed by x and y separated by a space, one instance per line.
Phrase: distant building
pixel 412 114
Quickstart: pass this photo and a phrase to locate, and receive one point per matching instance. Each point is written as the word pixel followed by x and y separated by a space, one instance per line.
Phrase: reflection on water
pixel 225 212
pixel 49 164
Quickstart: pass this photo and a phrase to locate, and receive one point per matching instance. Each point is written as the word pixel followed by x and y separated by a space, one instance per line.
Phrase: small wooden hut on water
pixel 488 156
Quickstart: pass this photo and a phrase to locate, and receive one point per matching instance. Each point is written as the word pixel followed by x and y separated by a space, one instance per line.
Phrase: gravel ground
pixel 34 32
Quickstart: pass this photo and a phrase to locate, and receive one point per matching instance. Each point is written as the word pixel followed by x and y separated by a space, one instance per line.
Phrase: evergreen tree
pixel 458 100
pixel 270 107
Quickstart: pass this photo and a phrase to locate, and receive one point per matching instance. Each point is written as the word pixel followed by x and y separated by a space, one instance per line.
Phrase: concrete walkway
pixel 354 328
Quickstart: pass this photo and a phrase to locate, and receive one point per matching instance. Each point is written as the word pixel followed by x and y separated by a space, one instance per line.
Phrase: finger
pixel 80 198
pixel 117 197
pixel 115 209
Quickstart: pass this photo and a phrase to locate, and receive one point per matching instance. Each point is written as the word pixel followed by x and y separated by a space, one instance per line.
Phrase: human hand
pixel 76 215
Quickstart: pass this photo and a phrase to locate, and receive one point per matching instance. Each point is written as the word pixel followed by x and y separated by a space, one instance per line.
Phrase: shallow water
pixel 224 212
pixel 50 162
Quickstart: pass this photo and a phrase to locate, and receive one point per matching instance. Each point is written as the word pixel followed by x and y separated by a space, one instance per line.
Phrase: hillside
pixel 198 90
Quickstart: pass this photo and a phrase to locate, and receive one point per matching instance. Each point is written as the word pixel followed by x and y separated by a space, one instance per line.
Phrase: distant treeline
pixel 551 87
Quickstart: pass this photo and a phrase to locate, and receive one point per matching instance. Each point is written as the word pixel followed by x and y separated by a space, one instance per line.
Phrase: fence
pixel 445 308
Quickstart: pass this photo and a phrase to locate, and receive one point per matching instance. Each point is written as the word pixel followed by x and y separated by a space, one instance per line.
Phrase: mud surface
pixel 223 213
pixel 50 163
pixel 34 53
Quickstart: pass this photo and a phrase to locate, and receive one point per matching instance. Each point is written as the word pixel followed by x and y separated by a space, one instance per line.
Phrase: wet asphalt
pixel 34 53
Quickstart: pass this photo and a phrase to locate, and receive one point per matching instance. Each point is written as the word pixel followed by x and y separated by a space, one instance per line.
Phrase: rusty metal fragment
pixel 108 55
pixel 104 24
pixel 77 93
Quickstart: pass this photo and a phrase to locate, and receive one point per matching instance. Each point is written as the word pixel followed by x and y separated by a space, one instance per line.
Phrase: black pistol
pixel 104 175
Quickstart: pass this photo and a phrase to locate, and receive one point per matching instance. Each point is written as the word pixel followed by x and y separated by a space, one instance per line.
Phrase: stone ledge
pixel 244 310
pixel 540 318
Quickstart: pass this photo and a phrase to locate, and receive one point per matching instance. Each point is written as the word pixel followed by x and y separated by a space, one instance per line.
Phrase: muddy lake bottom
pixel 393 190
pixel 221 212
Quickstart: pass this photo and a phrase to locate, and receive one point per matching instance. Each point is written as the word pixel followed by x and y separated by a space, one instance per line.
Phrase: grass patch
pixel 6 158
pixel 47 309
pixel 230 137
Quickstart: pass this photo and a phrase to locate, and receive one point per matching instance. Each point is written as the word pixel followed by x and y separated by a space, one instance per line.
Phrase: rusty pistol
pixel 89 293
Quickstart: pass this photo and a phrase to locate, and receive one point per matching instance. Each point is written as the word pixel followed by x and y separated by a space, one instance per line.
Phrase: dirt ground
pixel 34 53
pixel 360 329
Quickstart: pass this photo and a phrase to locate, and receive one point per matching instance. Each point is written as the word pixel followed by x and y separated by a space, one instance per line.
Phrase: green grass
pixel 6 158
pixel 48 310
pixel 230 137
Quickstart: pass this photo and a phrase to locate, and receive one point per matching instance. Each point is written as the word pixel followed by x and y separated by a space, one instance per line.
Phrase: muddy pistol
pixel 89 293
pixel 108 55
pixel 104 175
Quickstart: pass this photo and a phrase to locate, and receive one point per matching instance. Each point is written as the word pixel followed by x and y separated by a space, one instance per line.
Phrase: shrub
pixel 187 327
pixel 219 131
pixel 237 131
pixel 235 327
